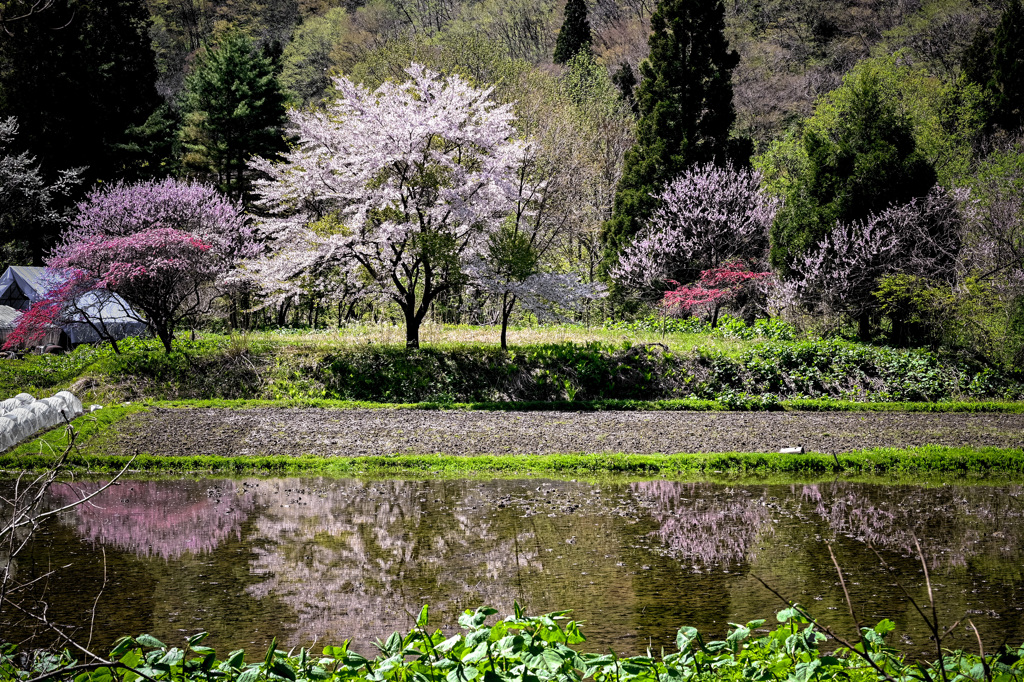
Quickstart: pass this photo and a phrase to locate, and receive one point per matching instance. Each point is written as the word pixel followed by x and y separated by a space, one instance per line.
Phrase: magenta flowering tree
pixel 716 288
pixel 709 216
pixel 193 208
pixel 73 301
pixel 166 248
pixel 400 187
pixel 162 272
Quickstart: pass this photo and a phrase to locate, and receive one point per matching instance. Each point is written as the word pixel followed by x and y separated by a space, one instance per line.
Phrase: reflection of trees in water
pixel 951 523
pixel 157 518
pixel 704 523
pixel 358 557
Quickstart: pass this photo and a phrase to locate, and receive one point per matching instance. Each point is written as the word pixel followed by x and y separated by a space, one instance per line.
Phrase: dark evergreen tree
pixel 574 35
pixel 867 162
pixel 995 61
pixel 151 149
pixel 1008 68
pixel 76 77
pixel 233 109
pixel 685 109
pixel 625 80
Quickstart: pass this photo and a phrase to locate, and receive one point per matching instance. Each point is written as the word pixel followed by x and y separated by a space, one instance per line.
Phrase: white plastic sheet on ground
pixel 22 416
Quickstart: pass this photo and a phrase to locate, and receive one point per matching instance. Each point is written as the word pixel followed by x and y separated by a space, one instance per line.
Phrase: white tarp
pixel 22 416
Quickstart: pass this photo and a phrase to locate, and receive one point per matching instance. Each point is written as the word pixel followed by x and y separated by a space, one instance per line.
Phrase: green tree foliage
pixel 233 109
pixel 314 53
pixel 685 101
pixel 996 62
pixel 861 157
pixel 947 119
pixel 574 37
pixel 76 76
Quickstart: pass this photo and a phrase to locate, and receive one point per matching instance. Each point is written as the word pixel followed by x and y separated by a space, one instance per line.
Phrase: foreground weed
pixel 521 648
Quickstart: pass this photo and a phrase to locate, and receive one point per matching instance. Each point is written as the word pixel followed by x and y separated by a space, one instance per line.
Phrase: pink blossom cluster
pixel 709 216
pixel 716 287
pixel 162 246
pixel 923 237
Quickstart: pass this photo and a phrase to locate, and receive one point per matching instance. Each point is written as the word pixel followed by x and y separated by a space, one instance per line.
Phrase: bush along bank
pixel 763 375
pixel 530 649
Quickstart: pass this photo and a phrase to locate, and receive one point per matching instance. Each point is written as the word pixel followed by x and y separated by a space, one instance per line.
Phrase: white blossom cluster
pixel 398 187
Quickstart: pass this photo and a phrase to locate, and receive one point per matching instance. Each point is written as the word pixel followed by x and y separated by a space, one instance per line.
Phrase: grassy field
pixel 450 337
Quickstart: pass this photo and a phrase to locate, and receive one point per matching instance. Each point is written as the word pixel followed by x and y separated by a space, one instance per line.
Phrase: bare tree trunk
pixel 506 312
pixel 412 328
pixel 864 326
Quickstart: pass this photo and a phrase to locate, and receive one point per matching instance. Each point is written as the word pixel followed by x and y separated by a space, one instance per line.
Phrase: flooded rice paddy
pixel 318 560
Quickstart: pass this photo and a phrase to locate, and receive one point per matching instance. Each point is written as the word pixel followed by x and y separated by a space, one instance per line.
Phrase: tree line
pixel 634 160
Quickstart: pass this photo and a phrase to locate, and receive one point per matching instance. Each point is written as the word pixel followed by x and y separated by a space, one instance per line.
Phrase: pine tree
pixel 625 80
pixel 1008 67
pixel 233 109
pixel 574 35
pixel 995 61
pixel 685 108
pixel 865 163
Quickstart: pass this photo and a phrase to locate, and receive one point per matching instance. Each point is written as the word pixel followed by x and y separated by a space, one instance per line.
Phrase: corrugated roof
pixel 8 317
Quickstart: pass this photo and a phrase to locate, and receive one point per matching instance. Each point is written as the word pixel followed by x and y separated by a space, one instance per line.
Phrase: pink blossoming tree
pixel 924 238
pixel 401 187
pixel 709 216
pixel 164 247
pixel 716 288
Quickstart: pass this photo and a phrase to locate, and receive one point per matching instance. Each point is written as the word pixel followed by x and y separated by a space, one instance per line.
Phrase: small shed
pixel 99 311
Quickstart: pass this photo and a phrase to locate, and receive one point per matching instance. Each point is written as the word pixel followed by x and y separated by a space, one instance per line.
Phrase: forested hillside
pixel 853 165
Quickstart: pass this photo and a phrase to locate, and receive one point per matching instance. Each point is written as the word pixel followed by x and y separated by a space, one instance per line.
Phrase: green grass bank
pixel 763 373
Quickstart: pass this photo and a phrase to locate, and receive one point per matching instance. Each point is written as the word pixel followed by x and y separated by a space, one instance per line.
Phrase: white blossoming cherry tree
pixel 401 187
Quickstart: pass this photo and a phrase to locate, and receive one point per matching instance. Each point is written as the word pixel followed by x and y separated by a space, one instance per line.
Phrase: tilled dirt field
pixel 279 431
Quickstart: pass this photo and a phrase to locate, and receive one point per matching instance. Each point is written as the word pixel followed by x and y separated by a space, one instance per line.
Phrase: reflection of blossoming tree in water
pixel 151 518
pixel 704 523
pixel 360 557
pixel 951 523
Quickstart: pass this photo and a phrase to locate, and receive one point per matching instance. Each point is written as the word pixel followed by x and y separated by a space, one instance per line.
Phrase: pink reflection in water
pixel 705 524
pixel 952 524
pixel 152 518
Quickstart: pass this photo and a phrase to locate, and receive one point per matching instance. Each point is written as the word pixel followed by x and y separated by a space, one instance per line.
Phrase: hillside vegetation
pixel 852 167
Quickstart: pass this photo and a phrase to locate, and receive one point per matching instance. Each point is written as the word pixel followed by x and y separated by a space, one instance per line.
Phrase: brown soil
pixel 278 431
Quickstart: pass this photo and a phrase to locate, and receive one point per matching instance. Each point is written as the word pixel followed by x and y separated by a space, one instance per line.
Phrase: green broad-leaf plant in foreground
pixel 521 648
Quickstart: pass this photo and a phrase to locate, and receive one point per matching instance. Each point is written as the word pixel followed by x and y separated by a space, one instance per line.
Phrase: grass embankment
pixel 928 460
pixel 759 372
pixel 678 405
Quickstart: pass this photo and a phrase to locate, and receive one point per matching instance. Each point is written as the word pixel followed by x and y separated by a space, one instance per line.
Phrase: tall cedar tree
pixel 574 35
pixel 685 108
pixel 995 60
pixel 76 77
pixel 867 162
pixel 233 109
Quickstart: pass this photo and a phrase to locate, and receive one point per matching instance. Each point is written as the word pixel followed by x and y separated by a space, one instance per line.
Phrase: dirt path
pixel 277 431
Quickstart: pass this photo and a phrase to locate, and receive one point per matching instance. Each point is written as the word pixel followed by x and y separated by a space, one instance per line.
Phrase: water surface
pixel 318 560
